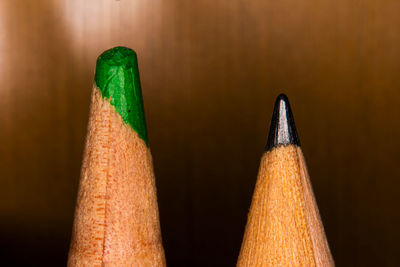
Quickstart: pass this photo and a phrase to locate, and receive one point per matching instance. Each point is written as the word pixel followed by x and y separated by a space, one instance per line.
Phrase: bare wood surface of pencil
pixel 284 226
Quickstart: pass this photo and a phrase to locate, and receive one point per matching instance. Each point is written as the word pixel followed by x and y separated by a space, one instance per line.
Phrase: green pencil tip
pixel 117 78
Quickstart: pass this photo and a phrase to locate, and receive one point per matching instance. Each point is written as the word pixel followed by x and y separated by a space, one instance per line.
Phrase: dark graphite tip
pixel 282 131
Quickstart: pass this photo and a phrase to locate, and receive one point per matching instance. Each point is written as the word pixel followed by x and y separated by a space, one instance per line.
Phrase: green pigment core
pixel 117 77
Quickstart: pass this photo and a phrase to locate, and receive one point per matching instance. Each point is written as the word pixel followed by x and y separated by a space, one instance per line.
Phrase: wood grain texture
pixel 284 227
pixel 210 71
pixel 116 217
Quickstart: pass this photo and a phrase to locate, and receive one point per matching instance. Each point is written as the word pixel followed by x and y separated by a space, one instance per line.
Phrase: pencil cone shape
pixel 116 216
pixel 284 226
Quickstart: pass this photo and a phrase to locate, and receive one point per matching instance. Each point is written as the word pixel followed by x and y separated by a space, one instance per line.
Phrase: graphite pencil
pixel 284 227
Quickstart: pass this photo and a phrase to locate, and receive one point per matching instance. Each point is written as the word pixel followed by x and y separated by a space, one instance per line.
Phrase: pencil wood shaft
pixel 116 219
pixel 284 227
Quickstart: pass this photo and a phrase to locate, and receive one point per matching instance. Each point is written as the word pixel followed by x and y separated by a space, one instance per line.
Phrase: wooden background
pixel 210 72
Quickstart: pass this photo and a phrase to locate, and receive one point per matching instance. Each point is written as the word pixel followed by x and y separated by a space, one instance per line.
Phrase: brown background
pixel 210 71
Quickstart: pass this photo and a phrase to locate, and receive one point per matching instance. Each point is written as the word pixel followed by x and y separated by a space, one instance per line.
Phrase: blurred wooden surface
pixel 210 72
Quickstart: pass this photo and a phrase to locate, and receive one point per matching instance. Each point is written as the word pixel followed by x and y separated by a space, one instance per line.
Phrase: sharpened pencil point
pixel 117 78
pixel 282 130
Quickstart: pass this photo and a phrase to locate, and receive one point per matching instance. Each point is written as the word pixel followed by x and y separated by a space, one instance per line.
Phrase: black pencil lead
pixel 282 130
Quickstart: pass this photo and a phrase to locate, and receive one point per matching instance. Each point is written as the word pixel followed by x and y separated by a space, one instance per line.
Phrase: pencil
pixel 284 227
pixel 116 216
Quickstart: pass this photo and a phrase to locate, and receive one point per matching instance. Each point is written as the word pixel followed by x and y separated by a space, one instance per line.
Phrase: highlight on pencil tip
pixel 118 55
pixel 283 129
